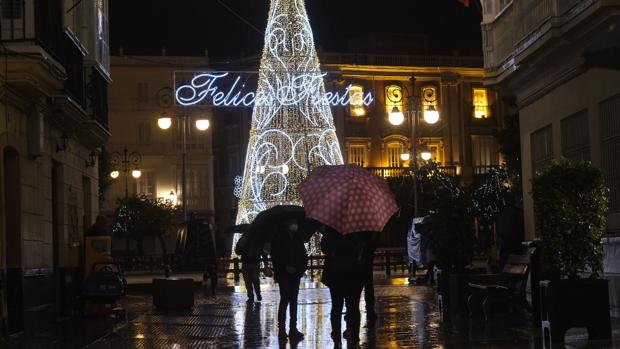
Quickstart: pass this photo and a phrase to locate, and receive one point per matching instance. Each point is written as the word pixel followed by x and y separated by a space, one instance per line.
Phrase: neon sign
pixel 223 89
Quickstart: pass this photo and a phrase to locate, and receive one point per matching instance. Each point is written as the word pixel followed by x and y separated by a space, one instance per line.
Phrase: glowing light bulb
pixel 115 174
pixel 426 155
pixel 396 117
pixel 202 124
pixel 431 115
pixel 405 156
pixel 164 123
pixel 136 173
pixel 285 169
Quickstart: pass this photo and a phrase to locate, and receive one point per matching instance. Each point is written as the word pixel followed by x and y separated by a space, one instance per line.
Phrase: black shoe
pixel 259 298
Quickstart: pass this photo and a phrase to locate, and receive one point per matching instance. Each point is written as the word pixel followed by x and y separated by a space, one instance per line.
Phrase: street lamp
pixel 184 123
pixel 416 110
pixel 125 162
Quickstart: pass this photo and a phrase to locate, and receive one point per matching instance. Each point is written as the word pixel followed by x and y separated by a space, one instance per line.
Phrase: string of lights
pixel 291 133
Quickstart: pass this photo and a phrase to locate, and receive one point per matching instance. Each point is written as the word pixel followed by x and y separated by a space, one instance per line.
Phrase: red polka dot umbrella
pixel 347 198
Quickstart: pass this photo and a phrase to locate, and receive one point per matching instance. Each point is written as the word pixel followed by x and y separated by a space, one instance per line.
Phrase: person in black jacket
pixel 343 273
pixel 290 261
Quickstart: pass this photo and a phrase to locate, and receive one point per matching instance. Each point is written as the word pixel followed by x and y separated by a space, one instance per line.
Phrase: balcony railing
pixel 387 172
pixel 519 26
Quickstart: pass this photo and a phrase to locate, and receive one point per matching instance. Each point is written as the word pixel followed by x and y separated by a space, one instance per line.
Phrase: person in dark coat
pixel 343 273
pixel 368 279
pixel 251 259
pixel 290 261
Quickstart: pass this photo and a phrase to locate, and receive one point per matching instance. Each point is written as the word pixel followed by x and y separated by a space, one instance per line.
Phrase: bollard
pixel 236 269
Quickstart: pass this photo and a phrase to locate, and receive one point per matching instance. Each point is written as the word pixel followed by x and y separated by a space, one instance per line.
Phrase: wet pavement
pixel 408 318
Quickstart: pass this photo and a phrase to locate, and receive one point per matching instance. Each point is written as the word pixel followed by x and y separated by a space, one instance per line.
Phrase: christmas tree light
pixel 292 128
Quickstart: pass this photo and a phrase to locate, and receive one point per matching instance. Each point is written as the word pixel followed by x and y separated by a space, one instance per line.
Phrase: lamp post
pixel 165 101
pixel 416 109
pixel 124 162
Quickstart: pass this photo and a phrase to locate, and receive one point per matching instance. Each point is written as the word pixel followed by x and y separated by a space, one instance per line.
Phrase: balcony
pixel 524 26
pixel 388 172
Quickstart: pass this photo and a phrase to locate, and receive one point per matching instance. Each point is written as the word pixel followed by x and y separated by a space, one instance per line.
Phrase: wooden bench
pixel 506 289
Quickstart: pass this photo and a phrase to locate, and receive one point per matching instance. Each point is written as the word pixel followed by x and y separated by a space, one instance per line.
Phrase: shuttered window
pixel 542 148
pixel 576 136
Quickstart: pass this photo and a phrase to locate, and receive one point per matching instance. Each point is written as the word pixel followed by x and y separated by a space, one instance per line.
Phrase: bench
pixel 506 289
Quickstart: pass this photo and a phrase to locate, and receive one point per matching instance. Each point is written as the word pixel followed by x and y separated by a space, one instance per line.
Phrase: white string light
pixel 292 125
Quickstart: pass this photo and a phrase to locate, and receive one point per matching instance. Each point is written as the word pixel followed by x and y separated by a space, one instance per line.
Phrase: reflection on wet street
pixel 408 318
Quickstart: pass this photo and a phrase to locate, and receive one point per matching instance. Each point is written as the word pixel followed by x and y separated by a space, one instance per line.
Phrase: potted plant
pixel 570 207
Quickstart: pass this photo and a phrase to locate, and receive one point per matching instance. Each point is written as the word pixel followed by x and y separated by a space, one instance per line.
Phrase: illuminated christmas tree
pixel 292 125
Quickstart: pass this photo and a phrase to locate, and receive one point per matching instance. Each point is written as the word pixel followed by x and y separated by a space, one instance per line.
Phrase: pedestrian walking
pixel 414 251
pixel 209 246
pixel 251 256
pixel 344 275
pixel 290 261
pixel 368 260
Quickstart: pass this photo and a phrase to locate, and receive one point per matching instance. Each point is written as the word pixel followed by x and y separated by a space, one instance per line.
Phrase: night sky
pixel 188 27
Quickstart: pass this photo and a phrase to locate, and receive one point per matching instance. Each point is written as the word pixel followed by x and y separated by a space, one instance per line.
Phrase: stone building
pixel 54 73
pixel 559 61
pixel 463 141
pixel 143 92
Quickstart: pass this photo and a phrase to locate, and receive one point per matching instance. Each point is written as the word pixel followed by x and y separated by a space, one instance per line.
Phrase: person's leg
pixel 256 281
pixel 284 285
pixel 369 296
pixel 248 281
pixel 336 311
pixel 352 300
pixel 293 331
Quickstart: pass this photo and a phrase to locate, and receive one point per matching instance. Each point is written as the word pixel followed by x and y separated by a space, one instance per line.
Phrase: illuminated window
pixel 393 98
pixel 357 155
pixel 356 98
pixel 393 154
pixel 481 104
pixel 435 146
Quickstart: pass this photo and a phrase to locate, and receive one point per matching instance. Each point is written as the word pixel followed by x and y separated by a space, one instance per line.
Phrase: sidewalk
pixel 408 318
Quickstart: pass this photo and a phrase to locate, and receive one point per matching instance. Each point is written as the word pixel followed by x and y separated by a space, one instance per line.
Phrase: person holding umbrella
pixel 290 261
pixel 343 273
pixel 251 257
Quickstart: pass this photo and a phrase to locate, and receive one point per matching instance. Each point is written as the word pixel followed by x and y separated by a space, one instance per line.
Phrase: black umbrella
pixel 269 222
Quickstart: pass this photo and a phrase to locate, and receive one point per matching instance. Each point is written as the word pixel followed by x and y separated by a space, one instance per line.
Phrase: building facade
pixel 463 141
pixel 143 92
pixel 53 101
pixel 559 61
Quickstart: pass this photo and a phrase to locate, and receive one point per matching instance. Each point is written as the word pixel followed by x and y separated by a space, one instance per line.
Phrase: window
pixel 356 98
pixel 357 155
pixel 393 98
pixel 143 93
pixel 576 136
pixel 542 148
pixel 11 9
pixel 394 150
pixel 147 186
pixel 435 146
pixel 144 133
pixel 197 188
pixel 102 49
pixel 610 148
pixel 481 103
pixel 484 153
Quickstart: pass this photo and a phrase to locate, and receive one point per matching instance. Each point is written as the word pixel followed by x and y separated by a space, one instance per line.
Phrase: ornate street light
pixel 126 162
pixel 421 106
pixel 165 100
